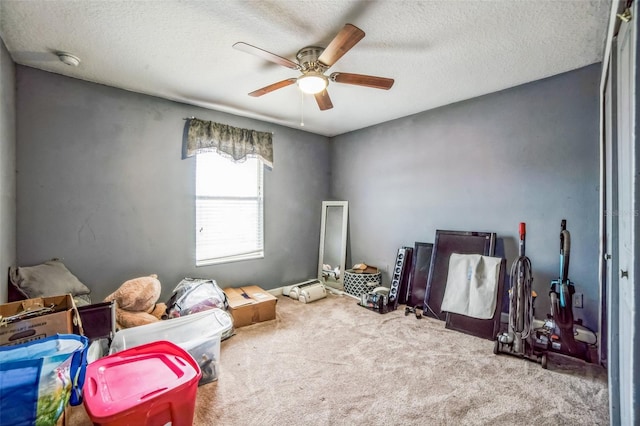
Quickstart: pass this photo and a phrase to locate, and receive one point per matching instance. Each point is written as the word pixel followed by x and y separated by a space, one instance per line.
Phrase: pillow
pixel 48 279
pixel 82 299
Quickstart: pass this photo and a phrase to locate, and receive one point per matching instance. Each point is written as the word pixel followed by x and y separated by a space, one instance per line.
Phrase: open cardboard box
pixel 249 305
pixel 63 319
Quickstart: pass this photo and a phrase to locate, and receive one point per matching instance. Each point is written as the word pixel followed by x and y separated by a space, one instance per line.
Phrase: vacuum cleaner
pixel 558 333
pixel 519 339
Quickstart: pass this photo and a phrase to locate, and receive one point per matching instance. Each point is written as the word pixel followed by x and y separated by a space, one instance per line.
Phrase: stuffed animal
pixel 136 302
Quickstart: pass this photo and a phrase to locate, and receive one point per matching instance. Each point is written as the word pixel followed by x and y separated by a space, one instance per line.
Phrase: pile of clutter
pixel 363 268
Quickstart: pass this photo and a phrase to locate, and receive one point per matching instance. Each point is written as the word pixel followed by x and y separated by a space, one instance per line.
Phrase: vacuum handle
pixel 565 254
pixel 523 232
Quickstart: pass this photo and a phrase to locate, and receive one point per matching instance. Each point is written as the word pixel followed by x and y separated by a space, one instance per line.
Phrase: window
pixel 229 209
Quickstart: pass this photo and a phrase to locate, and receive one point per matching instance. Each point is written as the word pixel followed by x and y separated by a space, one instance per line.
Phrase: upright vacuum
pixel 560 328
pixel 519 338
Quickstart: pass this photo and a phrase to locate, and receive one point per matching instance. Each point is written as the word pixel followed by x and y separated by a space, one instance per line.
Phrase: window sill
pixel 230 259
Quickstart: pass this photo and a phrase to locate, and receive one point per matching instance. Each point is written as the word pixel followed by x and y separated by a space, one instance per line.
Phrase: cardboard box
pixel 250 305
pixel 61 320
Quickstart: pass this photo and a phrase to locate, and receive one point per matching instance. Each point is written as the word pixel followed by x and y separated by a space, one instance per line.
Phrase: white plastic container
pixel 199 334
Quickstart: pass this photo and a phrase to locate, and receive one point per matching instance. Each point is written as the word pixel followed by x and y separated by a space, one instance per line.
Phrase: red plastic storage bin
pixel 151 384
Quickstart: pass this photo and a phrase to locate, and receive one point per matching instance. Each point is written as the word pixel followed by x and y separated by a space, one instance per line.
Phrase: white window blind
pixel 229 209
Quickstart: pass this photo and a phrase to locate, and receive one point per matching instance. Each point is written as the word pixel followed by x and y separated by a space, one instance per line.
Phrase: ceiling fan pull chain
pixel 301 109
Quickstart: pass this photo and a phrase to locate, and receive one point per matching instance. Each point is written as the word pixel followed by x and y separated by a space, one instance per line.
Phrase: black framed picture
pixel 419 273
pixel 446 243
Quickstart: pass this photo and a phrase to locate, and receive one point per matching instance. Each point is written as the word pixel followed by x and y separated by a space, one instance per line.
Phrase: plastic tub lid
pixel 136 376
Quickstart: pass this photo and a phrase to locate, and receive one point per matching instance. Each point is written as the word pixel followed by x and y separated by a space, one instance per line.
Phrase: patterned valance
pixel 232 142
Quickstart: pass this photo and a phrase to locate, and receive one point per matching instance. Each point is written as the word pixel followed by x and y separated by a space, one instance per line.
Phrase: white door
pixel 609 320
pixel 628 342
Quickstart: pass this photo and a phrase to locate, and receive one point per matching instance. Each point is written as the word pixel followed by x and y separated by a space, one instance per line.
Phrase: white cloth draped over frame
pixel 472 285
pixel 231 142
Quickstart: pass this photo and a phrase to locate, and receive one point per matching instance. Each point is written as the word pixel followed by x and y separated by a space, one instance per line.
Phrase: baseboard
pixel 276 291
pixel 279 291
pixel 284 290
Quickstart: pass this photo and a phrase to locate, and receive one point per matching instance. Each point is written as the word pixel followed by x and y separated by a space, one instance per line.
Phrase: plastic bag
pixel 39 378
pixel 193 295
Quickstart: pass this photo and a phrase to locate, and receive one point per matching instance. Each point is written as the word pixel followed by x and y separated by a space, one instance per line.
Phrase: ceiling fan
pixel 313 62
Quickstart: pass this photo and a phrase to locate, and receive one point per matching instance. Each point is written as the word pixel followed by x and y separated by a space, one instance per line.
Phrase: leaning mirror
pixel 333 243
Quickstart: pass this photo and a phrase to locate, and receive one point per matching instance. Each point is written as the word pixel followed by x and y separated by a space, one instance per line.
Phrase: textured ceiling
pixel 438 52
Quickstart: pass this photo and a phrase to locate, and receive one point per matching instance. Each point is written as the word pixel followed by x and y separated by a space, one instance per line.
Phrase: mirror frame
pixel 343 240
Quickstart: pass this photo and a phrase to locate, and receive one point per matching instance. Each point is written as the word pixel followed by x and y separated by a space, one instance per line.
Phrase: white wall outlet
pixel 577 300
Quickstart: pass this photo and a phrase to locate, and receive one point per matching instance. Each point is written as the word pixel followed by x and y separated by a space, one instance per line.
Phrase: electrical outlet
pixel 577 300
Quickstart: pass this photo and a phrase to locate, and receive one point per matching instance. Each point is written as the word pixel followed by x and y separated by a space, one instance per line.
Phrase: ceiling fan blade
pixel 341 43
pixel 247 48
pixel 323 100
pixel 362 80
pixel 272 87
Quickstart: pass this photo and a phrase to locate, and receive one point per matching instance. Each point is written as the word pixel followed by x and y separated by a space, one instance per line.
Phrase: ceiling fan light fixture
pixel 313 62
pixel 312 83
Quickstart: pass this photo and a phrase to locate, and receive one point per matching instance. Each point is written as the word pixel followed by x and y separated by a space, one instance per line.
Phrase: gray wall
pixel 102 186
pixel 7 168
pixel 527 154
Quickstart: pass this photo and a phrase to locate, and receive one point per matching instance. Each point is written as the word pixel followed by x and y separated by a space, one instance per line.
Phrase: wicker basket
pixel 357 284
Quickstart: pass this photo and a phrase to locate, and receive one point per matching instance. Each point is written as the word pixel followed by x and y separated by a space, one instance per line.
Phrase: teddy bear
pixel 136 302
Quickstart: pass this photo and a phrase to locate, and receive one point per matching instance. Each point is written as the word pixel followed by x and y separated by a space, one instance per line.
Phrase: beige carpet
pixel 332 362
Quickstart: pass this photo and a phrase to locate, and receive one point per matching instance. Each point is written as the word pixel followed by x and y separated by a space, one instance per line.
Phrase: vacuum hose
pixel 520 300
pixel 520 296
